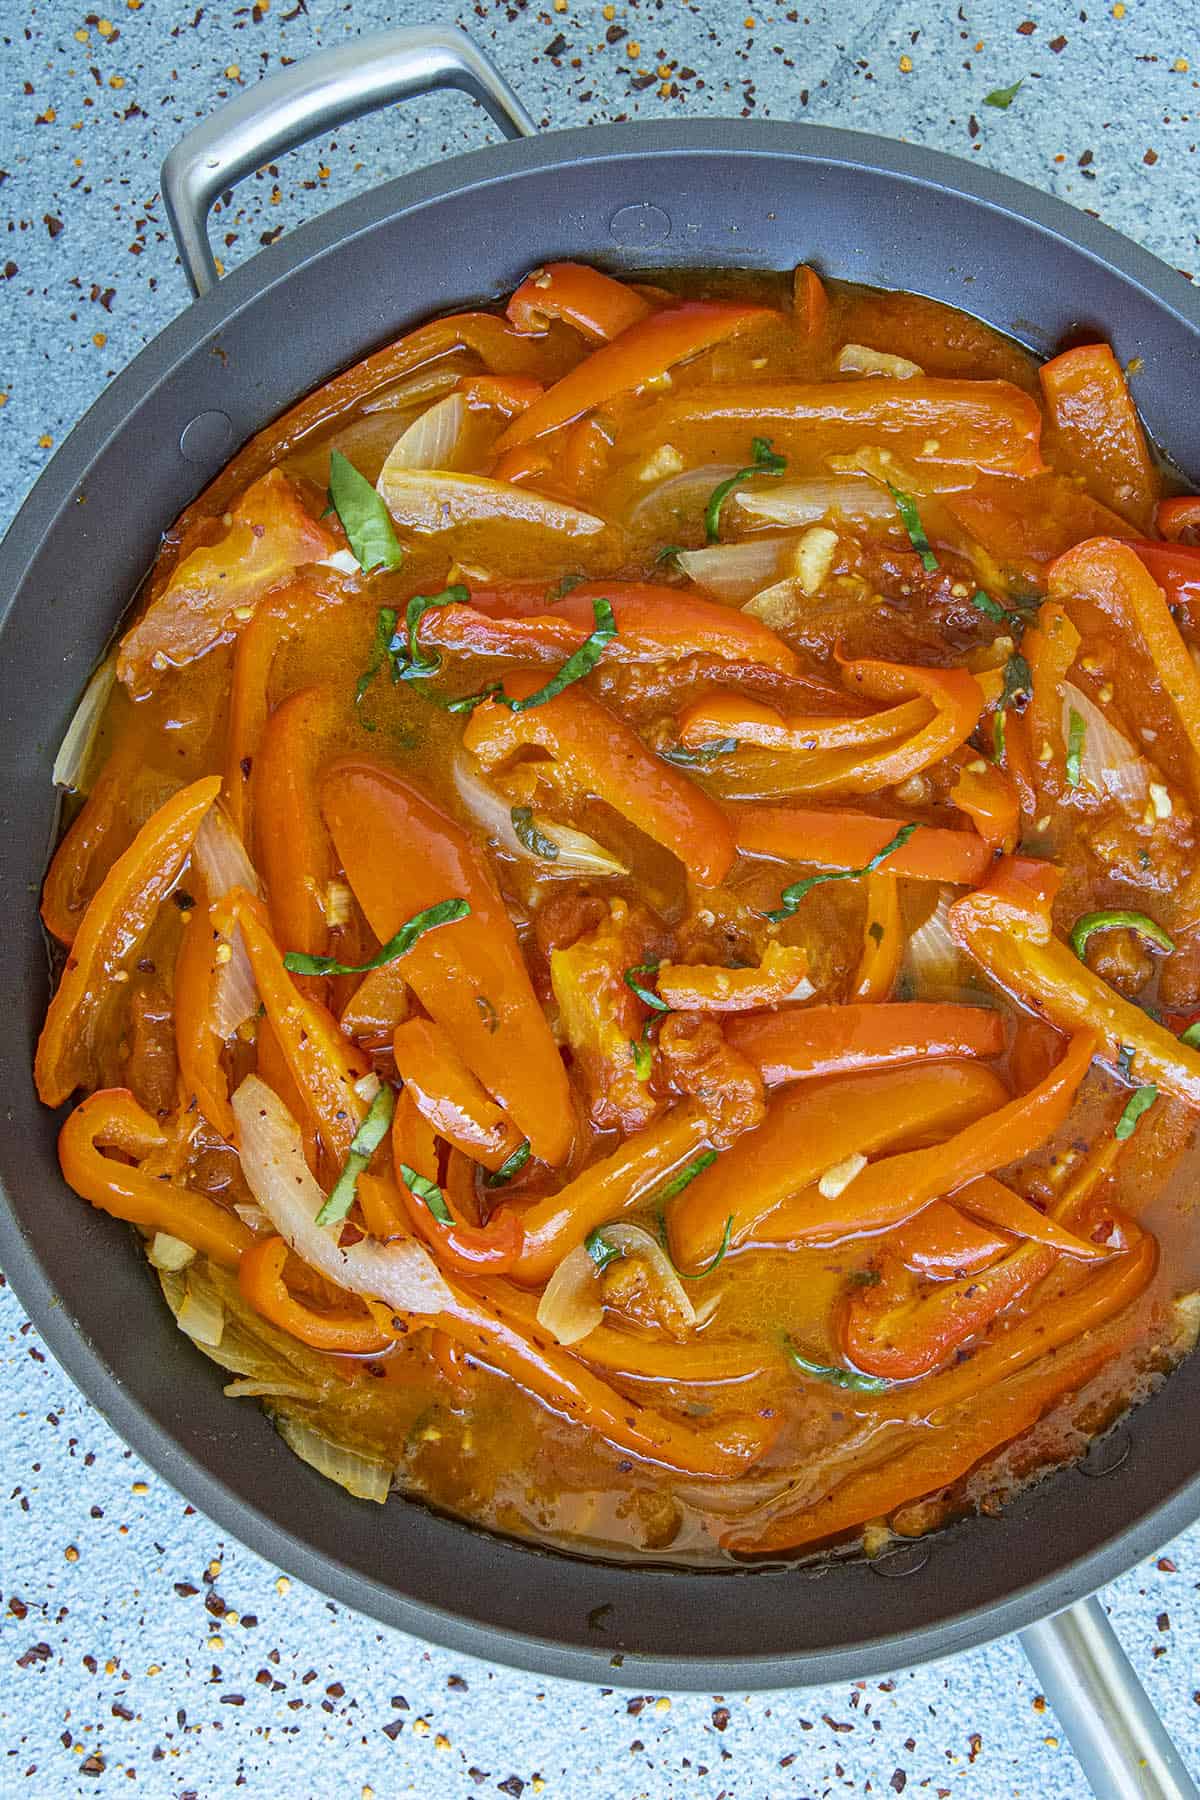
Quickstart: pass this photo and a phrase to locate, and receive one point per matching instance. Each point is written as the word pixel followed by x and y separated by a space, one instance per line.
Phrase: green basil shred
pixel 599 1249
pixel 385 625
pixel 1076 733
pixel 509 1167
pixel 1191 1037
pixel 792 896
pixel 421 1188
pixel 643 1058
pixel 581 662
pixel 365 519
pixel 685 1177
pixel 409 663
pixel 991 609
pixel 1117 919
pixel 906 506
pixel 444 913
pixel 714 1263
pixel 765 462
pixel 645 994
pixel 1139 1102
pixel 703 753
pixel 528 834
pixel 836 1377
pixel 363 1146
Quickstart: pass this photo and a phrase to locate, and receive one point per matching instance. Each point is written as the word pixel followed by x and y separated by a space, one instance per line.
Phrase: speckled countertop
pixel 140 1650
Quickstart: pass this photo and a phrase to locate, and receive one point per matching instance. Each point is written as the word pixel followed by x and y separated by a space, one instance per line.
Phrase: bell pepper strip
pixel 1006 928
pixel 505 394
pixel 601 755
pixel 653 623
pixel 460 1246
pixel 448 1095
pixel 348 1330
pixel 883 940
pixel 324 1065
pixel 849 840
pixel 1178 519
pixel 596 305
pixel 95 838
pixel 1176 569
pixel 293 849
pixel 990 800
pixel 606 1190
pixel 586 449
pixel 273 1067
pixel 602 1019
pixel 810 304
pixel 197 1045
pixel 1050 649
pixel 526 462
pixel 924 1464
pixel 1023 524
pixel 812 1042
pixel 643 352
pixel 990 1200
pixel 942 1242
pixel 1096 432
pixel 705 987
pixel 988 426
pixel 213 592
pixel 1017 758
pixel 381 1001
pixel 808 1131
pixel 1111 576
pixel 111 1119
pixel 402 855
pixel 106 943
pixel 720 717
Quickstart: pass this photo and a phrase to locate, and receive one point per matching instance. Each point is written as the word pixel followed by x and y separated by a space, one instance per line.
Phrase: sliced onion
pixel 201 1314
pixel 363 1476
pixel 431 440
pixel 860 359
pixel 171 1253
pixel 685 493
pixel 851 497
pixel 243 1389
pixel 401 1273
pixel 570 1305
pixel 734 573
pixel 435 500
pixel 1108 763
pixel 635 1240
pixel 74 753
pixel 578 854
pixel 933 961
pixel 252 1214
pixel 420 388
pixel 344 561
pixel 222 860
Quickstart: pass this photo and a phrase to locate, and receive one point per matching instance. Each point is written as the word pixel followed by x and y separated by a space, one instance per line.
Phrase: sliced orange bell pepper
pixel 1006 928
pixel 997 1205
pixel 808 1131
pixel 505 394
pixel 112 1120
pixel 1050 648
pixel 1023 523
pixel 586 449
pixel 1097 432
pixel 987 425
pixel 401 855
pixel 213 592
pixel 348 1330
pixel 196 1044
pixel 706 987
pixel 1179 519
pixel 810 304
pixel 602 755
pixel 989 798
pixel 118 918
pixel 324 1064
pixel 601 1019
pixel 810 1042
pixel 883 939
pixel 292 848
pixel 848 840
pixel 273 1066
pixel 381 1001
pixel 95 838
pixel 449 1097
pixel 606 1189
pixel 645 350
pixel 460 1246
pixel 653 624
pixel 594 304
pixel 942 1242
pixel 524 462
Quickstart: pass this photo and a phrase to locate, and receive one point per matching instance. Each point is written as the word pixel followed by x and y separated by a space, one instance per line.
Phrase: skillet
pixel 715 192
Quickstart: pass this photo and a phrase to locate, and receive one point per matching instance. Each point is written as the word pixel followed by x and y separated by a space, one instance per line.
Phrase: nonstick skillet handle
pixel 1119 1739
pixel 310 99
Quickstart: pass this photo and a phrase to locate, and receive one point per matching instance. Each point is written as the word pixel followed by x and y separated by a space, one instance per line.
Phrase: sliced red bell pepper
pixel 1176 569
pixel 460 1245
pixel 810 304
pixel 505 394
pixel 449 1097
pixel 883 939
pixel 1179 519
pixel 989 798
pixel 197 1045
pixel 809 1042
pixel 344 1330
pixel 849 840
pixel 601 755
pixel 1050 648
pixel 594 304
pixel 1097 432
pixel 707 987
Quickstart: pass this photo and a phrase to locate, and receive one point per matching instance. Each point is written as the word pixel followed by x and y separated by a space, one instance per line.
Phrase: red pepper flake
pixel 1150 158
pixel 1058 45
pixel 720 1717
pixel 1164 1563
pixel 1027 29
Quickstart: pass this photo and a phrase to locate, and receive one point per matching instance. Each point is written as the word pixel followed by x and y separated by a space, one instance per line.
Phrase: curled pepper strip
pixel 990 800
pixel 849 840
pixel 596 305
pixel 602 755
pixel 1006 928
pixel 1097 431
pixel 112 1120
pixel 118 918
pixel 1176 566
pixel 1175 518
pixel 401 856
pixel 809 1130
pixel 294 851
pixel 811 1042
pixel 643 351
pixel 460 1246
pixel 705 987
pixel 883 939
pixel 98 833
pixel 505 394
pixel 449 1097
pixel 196 1043
pixel 1049 648
pixel 942 1242
pixel 346 1330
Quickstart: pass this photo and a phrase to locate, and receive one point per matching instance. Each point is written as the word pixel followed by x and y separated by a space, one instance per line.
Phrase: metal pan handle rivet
pixel 641 223
pixel 207 438
pixel 307 100
pixel 906 1559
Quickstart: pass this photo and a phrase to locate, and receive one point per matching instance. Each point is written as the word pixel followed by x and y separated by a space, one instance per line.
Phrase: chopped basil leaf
pixel 1191 1037
pixel 1139 1102
pixel 365 519
pixel 528 834
pixel 1002 98
pixel 422 1189
pixel 385 625
pixel 643 1058
pixel 1076 733
pixel 645 994
pixel 765 462
pixel 1018 682
pixel 581 662
pixel 685 1177
pixel 1116 919
pixel 563 587
pixel 599 1249
pixel 363 1146
pixel 444 913
pixel 409 663
pixel 716 1261
pixel 509 1167
pixel 466 702
pixel 999 736
pixel 793 895
pixel 703 753
pixel 842 1378
pixel 667 552
pixel 906 506
pixel 991 609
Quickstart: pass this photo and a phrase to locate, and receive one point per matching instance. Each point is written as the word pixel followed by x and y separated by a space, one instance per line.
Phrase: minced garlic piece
pixel 665 461
pixel 860 359
pixel 814 557
pixel 835 1181
pixel 1160 799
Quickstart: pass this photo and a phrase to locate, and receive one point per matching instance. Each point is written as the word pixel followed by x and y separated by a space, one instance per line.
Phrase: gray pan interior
pixel 719 192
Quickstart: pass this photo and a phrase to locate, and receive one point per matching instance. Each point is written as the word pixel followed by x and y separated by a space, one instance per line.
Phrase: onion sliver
pixel 75 752
pixel 570 1306
pixel 1108 762
pixel 681 494
pixel 807 502
pixel 401 1273
pixel 222 860
pixel 734 573
pixel 436 500
pixel 635 1240
pixel 578 854
pixel 431 440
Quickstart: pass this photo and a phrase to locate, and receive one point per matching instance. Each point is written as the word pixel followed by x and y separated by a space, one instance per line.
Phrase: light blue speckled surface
pixel 140 1651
